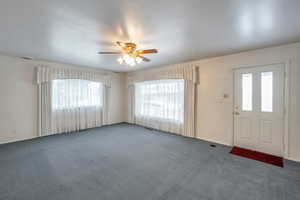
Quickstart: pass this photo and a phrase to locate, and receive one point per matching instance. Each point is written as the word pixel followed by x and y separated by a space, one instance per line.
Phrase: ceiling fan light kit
pixel 130 55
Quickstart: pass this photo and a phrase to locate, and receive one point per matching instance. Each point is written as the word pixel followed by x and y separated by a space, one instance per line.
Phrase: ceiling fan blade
pixel 147 51
pixel 108 52
pixel 144 59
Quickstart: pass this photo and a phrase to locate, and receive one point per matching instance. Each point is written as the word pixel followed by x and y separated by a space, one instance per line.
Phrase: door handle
pixel 236 113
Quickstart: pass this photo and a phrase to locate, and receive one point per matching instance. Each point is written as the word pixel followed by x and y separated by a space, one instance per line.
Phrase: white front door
pixel 259 109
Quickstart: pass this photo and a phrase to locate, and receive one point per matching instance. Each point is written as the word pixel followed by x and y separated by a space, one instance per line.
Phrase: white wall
pixel 214 113
pixel 19 98
pixel 18 95
pixel 118 104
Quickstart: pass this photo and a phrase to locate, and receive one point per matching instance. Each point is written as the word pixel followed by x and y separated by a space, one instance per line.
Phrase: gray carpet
pixel 130 162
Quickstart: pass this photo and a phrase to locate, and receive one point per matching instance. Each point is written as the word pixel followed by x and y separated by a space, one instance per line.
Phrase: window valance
pixel 188 72
pixel 46 74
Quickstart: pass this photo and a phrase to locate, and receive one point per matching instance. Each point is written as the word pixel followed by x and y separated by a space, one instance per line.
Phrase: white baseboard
pixel 13 140
pixel 18 140
pixel 292 159
pixel 214 141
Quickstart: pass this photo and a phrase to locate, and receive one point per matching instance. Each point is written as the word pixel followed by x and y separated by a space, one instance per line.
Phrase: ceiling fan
pixel 131 55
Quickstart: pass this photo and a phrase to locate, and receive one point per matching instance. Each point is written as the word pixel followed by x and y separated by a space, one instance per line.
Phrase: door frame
pixel 286 65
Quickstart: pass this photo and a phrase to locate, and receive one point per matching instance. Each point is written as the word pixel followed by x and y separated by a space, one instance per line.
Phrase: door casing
pixel 286 64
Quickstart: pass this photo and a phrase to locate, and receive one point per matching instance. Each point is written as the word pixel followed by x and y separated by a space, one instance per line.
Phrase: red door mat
pixel 255 155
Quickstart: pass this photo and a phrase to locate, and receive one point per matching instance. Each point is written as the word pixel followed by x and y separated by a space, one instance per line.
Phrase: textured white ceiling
pixel 73 31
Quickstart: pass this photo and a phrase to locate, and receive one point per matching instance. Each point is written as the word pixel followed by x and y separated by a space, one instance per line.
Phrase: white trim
pixel 235 99
pixel 214 141
pixel 292 159
pixel 19 140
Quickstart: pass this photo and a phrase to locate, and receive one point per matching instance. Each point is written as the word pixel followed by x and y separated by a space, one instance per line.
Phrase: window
pixel 160 100
pixel 267 91
pixel 247 92
pixel 76 93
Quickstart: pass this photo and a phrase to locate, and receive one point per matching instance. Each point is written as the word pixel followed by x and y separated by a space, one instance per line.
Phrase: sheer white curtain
pixel 189 72
pixel 71 105
pixel 131 103
pixel 159 104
